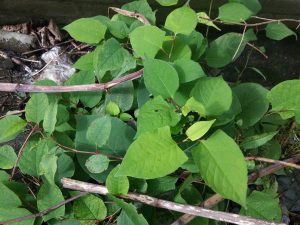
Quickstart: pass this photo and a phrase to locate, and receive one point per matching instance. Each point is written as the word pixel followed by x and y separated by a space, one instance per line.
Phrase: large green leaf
pixel 8 157
pixel 7 213
pixel 257 140
pixel 254 103
pixel 89 207
pixel 198 129
pixel 160 78
pixel 285 97
pixel 49 121
pixel 214 94
pixel 234 12
pixel 152 155
pixel 111 56
pixel 86 30
pixel 156 113
pixel 97 163
pixel 147 40
pixel 48 196
pixel 117 185
pixel 253 5
pixel 10 127
pixel 182 20
pixel 36 107
pixel 263 205
pixel 222 166
pixel 130 210
pixel 8 198
pixel 225 49
pixel 188 70
pixel 278 31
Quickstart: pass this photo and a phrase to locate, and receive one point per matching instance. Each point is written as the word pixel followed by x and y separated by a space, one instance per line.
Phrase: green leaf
pixel 199 129
pixel 192 105
pixel 36 107
pixel 254 103
pixel 112 109
pixel 167 2
pixel 89 207
pixel 156 113
pixel 253 5
pixel 11 127
pixel 214 94
pixel 222 166
pixel 225 49
pixel 50 118
pixel 262 205
pixel 160 78
pixel 97 163
pixel 203 18
pixel 65 167
pixel 182 20
pixel 278 31
pixel 147 40
pixel 111 56
pixel 86 30
pixel 188 70
pixel 48 196
pixel 161 185
pixel 85 62
pixel 257 140
pixel 130 210
pixel 285 97
pixel 8 197
pixel 152 155
pixel 234 12
pixel 4 176
pixel 117 185
pixel 271 150
pixel 99 131
pixel 8 157
pixel 7 213
pixel 48 167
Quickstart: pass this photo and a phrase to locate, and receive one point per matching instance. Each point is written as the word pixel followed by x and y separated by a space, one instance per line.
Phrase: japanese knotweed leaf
pixel 8 157
pixel 278 31
pixel 214 94
pixel 117 185
pixel 12 213
pixel 253 5
pixel 11 127
pixel 147 40
pixel 97 163
pixel 257 140
pixel 167 2
pixel 36 107
pixel 222 166
pixel 234 12
pixel 188 70
pixel 99 131
pixel 156 113
pixel 152 155
pixel 8 198
pixel 198 129
pixel 160 78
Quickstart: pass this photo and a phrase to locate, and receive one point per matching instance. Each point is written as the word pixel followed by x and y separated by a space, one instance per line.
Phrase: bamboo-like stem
pixel 160 203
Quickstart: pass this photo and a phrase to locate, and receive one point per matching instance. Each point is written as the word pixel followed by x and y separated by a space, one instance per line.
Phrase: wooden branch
pixel 10 87
pixel 262 159
pixel 44 212
pixel 215 199
pixel 160 203
pixel 136 15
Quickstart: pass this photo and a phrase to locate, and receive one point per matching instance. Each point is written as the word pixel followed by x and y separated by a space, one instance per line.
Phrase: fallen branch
pixel 10 87
pixel 261 159
pixel 160 203
pixel 215 199
pixel 135 15
pixel 44 212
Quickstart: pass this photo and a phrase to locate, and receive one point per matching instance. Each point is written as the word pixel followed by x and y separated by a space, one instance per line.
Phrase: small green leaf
pixel 117 185
pixel 198 129
pixel 85 62
pixel 257 140
pixel 161 185
pixel 156 113
pixel 11 127
pixel 278 31
pixel 36 107
pixel 188 70
pixel 50 118
pixel 222 166
pixel 203 18
pixel 253 5
pixel 130 210
pixel 86 30
pixel 214 94
pixel 262 205
pixel 48 167
pixel 152 155
pixel 97 163
pixel 7 213
pixel 48 196
pixel 112 109
pixel 182 20
pixel 167 2
pixel 8 197
pixel 65 167
pixel 192 105
pixel 8 157
pixel 99 131
pixel 147 40
pixel 234 12
pixel 89 207
pixel 160 78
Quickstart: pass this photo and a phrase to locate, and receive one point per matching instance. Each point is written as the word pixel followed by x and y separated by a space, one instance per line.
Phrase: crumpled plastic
pixel 58 66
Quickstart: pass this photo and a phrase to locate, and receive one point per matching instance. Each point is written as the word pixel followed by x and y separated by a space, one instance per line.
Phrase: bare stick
pixel 258 50
pixel 215 199
pixel 10 87
pixel 261 159
pixel 136 15
pixel 44 212
pixel 160 203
